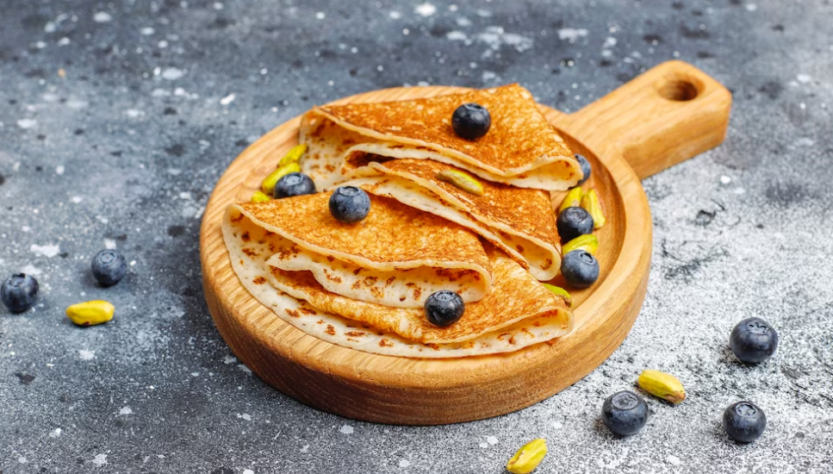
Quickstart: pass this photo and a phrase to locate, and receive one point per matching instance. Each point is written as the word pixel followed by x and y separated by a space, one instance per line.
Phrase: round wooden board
pixel 421 391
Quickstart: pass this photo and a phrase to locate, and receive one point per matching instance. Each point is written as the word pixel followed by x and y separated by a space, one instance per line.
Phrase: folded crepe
pixel 396 257
pixel 521 148
pixel 519 221
pixel 516 312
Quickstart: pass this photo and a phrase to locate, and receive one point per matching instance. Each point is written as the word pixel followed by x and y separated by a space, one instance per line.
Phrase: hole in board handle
pixel 678 90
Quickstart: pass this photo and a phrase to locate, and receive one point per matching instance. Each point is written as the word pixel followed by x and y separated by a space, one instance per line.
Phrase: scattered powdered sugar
pixel 84 354
pixel 404 463
pixel 100 459
pixel 55 433
pixel 126 411
pixel 571 34
pixel 27 123
pixel 102 17
pixel 346 429
pixel 227 99
pixel 425 9
pixel 172 73
pixel 48 250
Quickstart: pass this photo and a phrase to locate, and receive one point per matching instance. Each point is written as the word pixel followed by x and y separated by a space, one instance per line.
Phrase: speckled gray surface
pixel 117 119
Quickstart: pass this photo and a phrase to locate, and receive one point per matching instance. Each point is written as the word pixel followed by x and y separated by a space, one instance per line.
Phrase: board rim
pixel 218 293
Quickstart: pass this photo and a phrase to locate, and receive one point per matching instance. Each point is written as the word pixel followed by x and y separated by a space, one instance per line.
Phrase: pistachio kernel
pixel 587 242
pixel 528 457
pixel 561 293
pixel 573 199
pixel 91 313
pixel 259 196
pixel 662 385
pixel 591 203
pixel 461 180
pixel 268 185
pixel 293 155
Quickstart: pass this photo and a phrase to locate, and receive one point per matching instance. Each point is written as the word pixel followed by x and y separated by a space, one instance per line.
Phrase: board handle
pixel 669 114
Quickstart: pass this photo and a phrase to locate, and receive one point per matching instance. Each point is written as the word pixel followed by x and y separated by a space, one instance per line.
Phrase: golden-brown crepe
pixel 397 256
pixel 521 148
pixel 519 221
pixel 517 312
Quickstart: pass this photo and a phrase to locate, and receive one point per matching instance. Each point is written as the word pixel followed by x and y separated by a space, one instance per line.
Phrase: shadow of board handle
pixel 669 114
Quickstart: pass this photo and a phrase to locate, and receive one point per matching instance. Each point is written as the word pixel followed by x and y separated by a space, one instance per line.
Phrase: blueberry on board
pixel 744 422
pixel 19 292
pixel 624 413
pixel 573 222
pixel 585 168
pixel 349 204
pixel 753 340
pixel 294 184
pixel 109 267
pixel 580 268
pixel 444 308
pixel 471 121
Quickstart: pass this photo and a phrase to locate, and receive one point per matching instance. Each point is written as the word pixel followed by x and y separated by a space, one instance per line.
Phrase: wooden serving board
pixel 667 115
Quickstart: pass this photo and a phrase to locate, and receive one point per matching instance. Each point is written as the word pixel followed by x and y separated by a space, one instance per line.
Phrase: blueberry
pixel 109 267
pixel 744 422
pixel 753 340
pixel 573 222
pixel 471 121
pixel 624 413
pixel 19 292
pixel 294 184
pixel 349 204
pixel 444 308
pixel 580 268
pixel 585 168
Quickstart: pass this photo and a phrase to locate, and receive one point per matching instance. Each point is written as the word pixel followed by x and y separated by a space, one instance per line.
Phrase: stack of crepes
pixel 363 285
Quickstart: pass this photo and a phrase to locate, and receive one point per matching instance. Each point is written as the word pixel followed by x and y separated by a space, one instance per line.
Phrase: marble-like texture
pixel 117 119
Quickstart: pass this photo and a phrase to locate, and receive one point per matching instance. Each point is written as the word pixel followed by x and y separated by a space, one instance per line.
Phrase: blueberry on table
pixel 444 308
pixel 294 184
pixel 19 292
pixel 349 204
pixel 585 168
pixel 580 268
pixel 625 413
pixel 573 222
pixel 109 267
pixel 471 121
pixel 744 422
pixel 753 340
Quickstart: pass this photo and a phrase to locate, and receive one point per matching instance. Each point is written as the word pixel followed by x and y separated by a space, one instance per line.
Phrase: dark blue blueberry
pixel 580 268
pixel 753 340
pixel 294 184
pixel 573 222
pixel 744 422
pixel 109 267
pixel 624 413
pixel 585 168
pixel 349 204
pixel 444 308
pixel 471 121
pixel 19 292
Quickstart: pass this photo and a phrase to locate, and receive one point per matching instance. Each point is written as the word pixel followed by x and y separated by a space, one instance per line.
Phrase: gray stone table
pixel 117 119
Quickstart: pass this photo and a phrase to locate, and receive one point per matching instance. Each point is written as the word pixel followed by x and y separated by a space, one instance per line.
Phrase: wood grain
pixel 413 391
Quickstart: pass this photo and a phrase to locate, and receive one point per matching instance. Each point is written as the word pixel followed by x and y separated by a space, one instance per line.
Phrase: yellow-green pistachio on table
pixel 259 196
pixel 528 457
pixel 662 385
pixel 587 242
pixel 573 199
pixel 293 155
pixel 268 185
pixel 591 203
pixel 90 313
pixel 561 293
pixel 462 181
